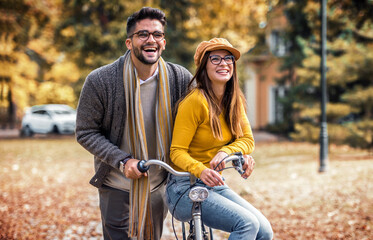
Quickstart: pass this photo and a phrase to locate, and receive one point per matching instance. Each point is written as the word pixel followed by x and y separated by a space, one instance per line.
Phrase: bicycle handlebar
pixel 236 159
pixel 144 166
pixel 199 193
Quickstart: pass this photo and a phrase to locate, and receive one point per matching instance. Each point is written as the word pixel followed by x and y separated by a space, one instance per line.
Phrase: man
pixel 124 115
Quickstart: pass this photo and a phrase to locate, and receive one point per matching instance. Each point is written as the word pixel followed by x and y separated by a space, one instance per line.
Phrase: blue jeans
pixel 223 209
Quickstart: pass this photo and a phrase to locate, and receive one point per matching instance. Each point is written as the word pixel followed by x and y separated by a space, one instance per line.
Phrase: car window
pixel 40 112
pixel 61 112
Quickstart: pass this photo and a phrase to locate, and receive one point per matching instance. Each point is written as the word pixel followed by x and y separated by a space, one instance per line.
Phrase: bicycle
pixel 197 194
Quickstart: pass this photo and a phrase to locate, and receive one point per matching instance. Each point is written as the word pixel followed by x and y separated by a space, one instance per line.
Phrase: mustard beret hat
pixel 214 44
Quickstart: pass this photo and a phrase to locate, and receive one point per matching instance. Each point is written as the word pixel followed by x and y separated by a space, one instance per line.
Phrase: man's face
pixel 146 51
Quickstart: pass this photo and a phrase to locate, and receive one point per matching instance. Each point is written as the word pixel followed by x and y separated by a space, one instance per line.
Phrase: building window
pixel 276 109
pixel 277 44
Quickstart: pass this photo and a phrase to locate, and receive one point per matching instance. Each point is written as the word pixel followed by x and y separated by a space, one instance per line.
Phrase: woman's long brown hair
pixel 230 103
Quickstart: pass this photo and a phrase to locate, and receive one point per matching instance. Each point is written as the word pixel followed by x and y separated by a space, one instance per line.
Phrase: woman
pixel 211 123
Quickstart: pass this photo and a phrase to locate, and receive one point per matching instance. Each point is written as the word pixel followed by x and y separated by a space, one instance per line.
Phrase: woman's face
pixel 223 71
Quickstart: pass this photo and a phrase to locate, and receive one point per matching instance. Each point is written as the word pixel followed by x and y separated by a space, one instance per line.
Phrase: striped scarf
pixel 140 223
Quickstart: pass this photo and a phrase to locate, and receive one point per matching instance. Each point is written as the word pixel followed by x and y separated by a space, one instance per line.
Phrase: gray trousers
pixel 114 206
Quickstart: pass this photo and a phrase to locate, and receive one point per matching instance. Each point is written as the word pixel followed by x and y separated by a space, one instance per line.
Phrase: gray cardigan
pixel 101 113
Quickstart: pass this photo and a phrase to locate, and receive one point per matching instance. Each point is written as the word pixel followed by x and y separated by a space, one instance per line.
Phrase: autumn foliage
pixel 45 194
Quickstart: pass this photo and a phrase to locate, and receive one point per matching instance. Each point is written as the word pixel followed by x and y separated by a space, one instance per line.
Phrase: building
pixel 262 70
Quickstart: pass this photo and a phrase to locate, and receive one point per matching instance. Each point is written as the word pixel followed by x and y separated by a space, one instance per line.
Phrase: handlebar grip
pixel 141 166
pixel 239 163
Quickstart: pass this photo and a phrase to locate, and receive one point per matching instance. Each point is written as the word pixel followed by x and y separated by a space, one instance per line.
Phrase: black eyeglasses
pixel 144 35
pixel 216 59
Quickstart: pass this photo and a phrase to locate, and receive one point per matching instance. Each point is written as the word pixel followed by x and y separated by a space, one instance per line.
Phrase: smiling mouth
pixel 150 49
pixel 224 71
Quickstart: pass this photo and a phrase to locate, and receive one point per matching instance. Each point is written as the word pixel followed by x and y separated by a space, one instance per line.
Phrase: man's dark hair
pixel 145 13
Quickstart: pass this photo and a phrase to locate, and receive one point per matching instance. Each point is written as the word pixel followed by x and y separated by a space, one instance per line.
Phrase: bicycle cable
pixel 224 169
pixel 173 210
pixel 222 161
pixel 190 187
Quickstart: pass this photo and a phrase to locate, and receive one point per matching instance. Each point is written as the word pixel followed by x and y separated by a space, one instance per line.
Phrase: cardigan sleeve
pixel 189 116
pixel 90 132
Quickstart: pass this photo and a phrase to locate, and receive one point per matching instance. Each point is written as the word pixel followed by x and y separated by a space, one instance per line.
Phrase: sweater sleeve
pixel 244 144
pixel 91 110
pixel 189 116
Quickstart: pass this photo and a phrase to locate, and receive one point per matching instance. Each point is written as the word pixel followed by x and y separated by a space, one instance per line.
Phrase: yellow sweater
pixel 193 144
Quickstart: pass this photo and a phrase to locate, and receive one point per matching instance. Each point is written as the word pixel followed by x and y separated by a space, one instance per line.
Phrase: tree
pixel 237 21
pixel 53 45
pixel 27 57
pixel 17 22
pixel 349 76
pixel 92 33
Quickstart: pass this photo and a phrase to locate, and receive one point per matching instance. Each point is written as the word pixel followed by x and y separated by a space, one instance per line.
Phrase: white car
pixel 48 118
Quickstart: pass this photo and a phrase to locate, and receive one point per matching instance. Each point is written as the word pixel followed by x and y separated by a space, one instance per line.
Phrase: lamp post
pixel 323 125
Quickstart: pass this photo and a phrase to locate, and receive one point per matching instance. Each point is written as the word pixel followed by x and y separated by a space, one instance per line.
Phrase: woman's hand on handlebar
pixel 216 163
pixel 131 171
pixel 211 178
pixel 248 166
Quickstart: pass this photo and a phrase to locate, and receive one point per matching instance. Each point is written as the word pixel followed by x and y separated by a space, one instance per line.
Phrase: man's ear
pixel 164 45
pixel 129 43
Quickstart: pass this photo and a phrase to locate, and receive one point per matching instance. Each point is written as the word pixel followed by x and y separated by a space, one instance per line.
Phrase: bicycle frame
pixel 196 228
pixel 196 210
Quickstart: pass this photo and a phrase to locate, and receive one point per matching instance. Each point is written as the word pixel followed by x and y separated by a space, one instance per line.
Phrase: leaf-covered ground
pixel 44 191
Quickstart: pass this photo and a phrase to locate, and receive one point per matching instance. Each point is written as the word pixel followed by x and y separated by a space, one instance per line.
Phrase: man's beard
pixel 141 58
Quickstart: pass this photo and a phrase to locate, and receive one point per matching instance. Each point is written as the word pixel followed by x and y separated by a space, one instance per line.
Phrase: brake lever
pixel 238 164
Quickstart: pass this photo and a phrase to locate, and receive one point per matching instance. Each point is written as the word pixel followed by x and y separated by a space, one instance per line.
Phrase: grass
pixel 45 194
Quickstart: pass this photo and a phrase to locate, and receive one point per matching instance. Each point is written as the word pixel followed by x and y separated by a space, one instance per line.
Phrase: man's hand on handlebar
pixel 131 171
pixel 248 166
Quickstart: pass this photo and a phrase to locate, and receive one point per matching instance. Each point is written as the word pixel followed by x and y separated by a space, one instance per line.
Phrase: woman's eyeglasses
pixel 216 59
pixel 144 35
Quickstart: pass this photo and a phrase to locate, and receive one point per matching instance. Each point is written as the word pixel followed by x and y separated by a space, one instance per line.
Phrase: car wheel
pixel 27 132
pixel 56 130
